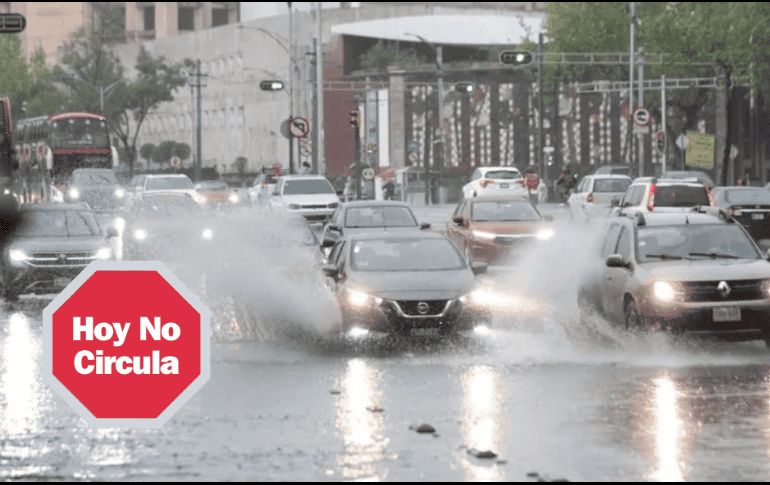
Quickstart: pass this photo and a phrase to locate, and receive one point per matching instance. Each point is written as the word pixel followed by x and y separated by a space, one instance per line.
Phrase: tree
pixel 163 152
pixel 146 151
pixel 182 150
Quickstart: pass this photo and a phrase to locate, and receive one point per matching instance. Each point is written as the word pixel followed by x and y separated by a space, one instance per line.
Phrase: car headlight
pixel 333 205
pixel 73 193
pixel 233 198
pixel 17 256
pixel 293 207
pixel 140 234
pixel 199 198
pixel 489 298
pixel 484 235
pixel 664 291
pixel 766 288
pixel 120 193
pixel 360 299
pixel 545 234
pixel 104 254
pixel 207 234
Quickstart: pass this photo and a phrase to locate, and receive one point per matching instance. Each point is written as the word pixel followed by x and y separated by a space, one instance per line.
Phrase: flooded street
pixel 544 401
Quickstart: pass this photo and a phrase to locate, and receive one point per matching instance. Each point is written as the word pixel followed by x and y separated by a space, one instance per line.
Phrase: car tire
pixel 633 319
pixel 11 293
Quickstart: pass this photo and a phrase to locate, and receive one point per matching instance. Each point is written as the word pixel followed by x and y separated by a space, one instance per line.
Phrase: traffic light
pixel 355 118
pixel 465 88
pixel 271 85
pixel 12 23
pixel 516 58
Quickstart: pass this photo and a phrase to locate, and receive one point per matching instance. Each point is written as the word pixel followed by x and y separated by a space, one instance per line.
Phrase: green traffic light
pixel 271 85
pixel 465 88
pixel 516 58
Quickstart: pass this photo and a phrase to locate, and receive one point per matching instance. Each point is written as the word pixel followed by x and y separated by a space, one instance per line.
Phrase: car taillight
pixel 484 183
pixel 590 198
pixel 651 199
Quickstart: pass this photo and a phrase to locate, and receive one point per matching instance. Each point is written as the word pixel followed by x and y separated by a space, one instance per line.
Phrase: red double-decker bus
pixel 50 147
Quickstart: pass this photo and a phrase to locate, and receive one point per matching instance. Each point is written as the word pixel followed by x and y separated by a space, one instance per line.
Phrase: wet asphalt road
pixel 550 397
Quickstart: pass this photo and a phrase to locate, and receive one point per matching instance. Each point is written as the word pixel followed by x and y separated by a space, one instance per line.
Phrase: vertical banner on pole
pixel 371 128
pixel 383 135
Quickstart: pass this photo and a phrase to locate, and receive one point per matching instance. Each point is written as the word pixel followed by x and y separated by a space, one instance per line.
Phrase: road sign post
pixel 126 344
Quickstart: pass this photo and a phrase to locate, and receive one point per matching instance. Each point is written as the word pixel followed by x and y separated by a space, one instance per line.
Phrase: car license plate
pixel 727 314
pixel 504 186
pixel 61 282
pixel 424 332
pixel 757 217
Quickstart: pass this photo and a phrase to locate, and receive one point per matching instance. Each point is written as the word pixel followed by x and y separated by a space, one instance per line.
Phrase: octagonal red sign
pixel 126 344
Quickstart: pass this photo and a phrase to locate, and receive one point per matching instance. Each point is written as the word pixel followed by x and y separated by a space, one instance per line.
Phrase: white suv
pixel 649 194
pixel 495 181
pixel 311 196
pixel 172 183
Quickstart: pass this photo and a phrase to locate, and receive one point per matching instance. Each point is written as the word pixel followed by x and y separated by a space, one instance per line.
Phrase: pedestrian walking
pixel 565 183
pixel 532 182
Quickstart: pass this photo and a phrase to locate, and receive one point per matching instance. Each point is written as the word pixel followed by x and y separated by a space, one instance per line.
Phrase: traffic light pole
pixel 357 148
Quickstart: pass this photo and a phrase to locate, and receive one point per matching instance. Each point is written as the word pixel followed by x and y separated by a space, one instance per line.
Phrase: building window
pixel 219 17
pixel 186 18
pixel 149 18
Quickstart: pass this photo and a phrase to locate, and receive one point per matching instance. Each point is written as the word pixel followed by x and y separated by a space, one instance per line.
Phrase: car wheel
pixel 11 293
pixel 633 318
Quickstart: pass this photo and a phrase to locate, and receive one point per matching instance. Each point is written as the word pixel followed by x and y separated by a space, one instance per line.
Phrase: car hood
pixel 310 199
pixel 58 244
pixel 507 227
pixel 709 270
pixel 168 226
pixel 367 230
pixel 414 285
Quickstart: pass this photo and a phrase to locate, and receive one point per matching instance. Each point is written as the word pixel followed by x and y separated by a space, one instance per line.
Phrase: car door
pixel 334 255
pixel 577 200
pixel 616 279
pixel 336 219
pixel 602 276
pixel 463 232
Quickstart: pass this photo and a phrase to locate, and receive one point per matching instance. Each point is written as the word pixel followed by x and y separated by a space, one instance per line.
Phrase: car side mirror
pixel 767 254
pixel 330 270
pixel 327 243
pixel 617 261
pixel 458 220
pixel 112 232
pixel 335 228
pixel 425 225
pixel 548 218
pixel 478 267
pixel 614 203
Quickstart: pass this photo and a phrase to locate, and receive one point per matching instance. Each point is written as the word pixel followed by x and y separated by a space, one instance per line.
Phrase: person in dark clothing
pixel 565 183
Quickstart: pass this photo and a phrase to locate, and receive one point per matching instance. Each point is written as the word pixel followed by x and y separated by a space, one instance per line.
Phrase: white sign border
pixel 70 290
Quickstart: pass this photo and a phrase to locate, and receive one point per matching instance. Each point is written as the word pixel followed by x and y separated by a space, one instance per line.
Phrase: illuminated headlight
pixel 766 288
pixel 358 332
pixel 664 291
pixel 293 207
pixel 482 330
pixel 207 234
pixel 545 234
pixel 483 235
pixel 140 234
pixel 233 198
pixel 120 193
pixel 199 198
pixel 74 193
pixel 17 256
pixel 490 299
pixel 360 299
pixel 104 254
pixel 333 205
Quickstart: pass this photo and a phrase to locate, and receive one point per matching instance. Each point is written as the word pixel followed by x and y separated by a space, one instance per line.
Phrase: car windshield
pixel 79 133
pixel 164 207
pixel 169 183
pixel 94 177
pixel 504 211
pixel 58 223
pixel 694 241
pixel 308 186
pixel 211 186
pixel 503 175
pixel 379 217
pixel 406 255
pixel 747 197
pixel 611 185
pixel 680 196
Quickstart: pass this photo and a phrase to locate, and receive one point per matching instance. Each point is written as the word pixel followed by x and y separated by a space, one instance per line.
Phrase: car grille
pixel 82 258
pixel 410 307
pixel 511 239
pixel 705 291
pixel 313 206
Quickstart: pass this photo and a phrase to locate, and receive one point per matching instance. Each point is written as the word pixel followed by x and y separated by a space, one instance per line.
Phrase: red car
pixel 489 228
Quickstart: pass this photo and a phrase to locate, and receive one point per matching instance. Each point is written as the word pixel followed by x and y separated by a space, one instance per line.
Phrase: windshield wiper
pixel 664 256
pixel 716 255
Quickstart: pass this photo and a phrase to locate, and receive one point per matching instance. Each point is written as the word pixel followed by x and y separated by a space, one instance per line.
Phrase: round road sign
pixel 299 127
pixel 126 344
pixel 368 173
pixel 176 162
pixel 642 117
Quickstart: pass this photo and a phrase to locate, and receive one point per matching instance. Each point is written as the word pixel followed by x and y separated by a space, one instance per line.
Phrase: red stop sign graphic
pixel 126 344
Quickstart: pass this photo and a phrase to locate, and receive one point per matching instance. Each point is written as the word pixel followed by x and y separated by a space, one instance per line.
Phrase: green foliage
pixel 381 56
pixel 182 150
pixel 146 151
pixel 163 152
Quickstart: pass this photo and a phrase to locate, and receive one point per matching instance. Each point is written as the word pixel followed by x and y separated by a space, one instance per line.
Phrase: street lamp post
pixel 101 89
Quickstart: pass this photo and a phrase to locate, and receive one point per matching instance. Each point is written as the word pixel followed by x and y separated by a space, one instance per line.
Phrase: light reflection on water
pixel 360 420
pixel 20 356
pixel 668 431
pixel 481 420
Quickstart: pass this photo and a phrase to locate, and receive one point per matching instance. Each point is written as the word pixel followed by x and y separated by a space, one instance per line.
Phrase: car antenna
pixel 686 220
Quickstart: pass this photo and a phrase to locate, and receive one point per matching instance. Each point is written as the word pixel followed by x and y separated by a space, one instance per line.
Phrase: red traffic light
pixel 12 23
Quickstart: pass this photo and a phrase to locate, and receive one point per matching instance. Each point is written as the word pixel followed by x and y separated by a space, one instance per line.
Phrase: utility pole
pixel 319 66
pixel 663 119
pixel 641 105
pixel 540 117
pixel 196 83
pixel 291 89
pixel 632 12
pixel 444 161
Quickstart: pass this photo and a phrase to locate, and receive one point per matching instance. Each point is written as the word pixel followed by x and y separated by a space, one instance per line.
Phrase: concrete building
pixel 238 119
